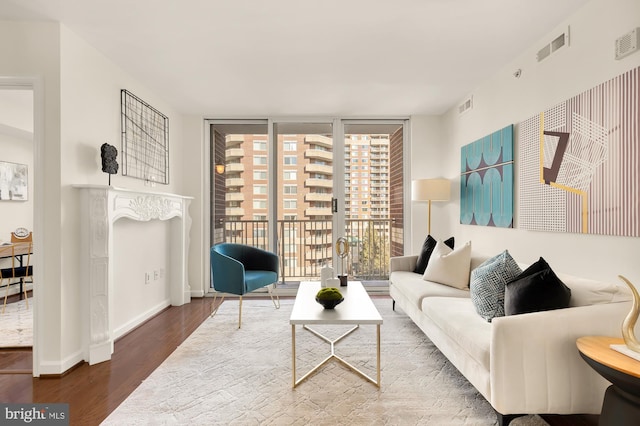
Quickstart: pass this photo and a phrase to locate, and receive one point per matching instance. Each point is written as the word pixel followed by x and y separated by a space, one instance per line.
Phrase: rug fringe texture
pixel 16 325
pixel 222 375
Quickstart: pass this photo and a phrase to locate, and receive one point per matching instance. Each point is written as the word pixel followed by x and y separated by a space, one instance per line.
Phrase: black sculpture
pixel 109 162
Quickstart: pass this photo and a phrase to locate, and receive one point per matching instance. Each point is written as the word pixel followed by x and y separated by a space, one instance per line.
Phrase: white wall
pixel 90 116
pixel 135 299
pixel 194 178
pixel 81 92
pixel 504 100
pixel 427 149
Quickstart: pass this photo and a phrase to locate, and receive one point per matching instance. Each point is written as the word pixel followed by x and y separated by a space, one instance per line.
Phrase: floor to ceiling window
pixel 295 187
pixel 374 195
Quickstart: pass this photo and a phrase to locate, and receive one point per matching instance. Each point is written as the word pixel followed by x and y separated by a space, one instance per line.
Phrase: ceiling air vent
pixel 544 52
pixel 466 105
pixel 628 43
pixel 557 43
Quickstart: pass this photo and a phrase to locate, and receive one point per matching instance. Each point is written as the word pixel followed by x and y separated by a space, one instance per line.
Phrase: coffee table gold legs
pixel 378 353
pixel 333 355
pixel 293 352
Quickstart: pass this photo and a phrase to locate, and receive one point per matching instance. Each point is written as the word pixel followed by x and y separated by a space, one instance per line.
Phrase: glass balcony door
pixel 373 196
pixel 305 183
pixel 240 176
pixel 295 187
pixel 272 188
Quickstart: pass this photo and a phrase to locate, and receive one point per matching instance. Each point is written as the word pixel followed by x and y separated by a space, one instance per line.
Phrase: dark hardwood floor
pixel 93 392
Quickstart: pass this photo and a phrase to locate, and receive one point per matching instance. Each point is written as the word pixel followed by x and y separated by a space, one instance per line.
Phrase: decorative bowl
pixel 328 303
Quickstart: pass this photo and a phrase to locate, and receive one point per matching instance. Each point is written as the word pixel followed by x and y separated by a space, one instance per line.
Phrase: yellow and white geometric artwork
pixel 579 162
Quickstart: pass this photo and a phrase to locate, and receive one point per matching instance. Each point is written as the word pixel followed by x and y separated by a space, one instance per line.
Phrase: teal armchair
pixel 240 269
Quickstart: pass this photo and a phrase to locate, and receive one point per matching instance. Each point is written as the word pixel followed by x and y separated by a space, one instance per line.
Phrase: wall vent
pixel 466 105
pixel 558 42
pixel 544 52
pixel 628 43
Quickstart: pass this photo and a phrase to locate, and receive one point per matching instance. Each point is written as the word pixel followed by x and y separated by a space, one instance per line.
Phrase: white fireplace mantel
pixel 101 207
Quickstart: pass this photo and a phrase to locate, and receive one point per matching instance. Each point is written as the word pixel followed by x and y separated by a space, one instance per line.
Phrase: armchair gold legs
pixel 215 305
pixel 271 293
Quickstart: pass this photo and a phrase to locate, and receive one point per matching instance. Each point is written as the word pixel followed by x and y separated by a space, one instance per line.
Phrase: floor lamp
pixel 430 190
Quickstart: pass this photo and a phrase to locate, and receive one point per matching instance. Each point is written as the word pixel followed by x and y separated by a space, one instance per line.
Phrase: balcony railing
pixel 305 246
pixel 322 183
pixel 319 154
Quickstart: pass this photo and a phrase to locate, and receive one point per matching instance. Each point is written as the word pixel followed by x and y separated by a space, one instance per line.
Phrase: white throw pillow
pixel 449 267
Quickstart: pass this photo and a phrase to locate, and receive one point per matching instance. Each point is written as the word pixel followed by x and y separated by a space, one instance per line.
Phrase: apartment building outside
pixel 304 191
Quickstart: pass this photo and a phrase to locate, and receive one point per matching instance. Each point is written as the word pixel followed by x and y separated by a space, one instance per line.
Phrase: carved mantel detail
pixel 101 207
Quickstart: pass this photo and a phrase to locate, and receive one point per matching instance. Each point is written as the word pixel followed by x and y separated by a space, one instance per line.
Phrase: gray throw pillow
pixel 487 285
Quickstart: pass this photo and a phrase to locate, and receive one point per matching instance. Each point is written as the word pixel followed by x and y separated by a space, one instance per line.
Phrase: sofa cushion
pixel 488 282
pixel 586 292
pixel 427 249
pixel 415 288
pixel 449 267
pixel 458 319
pixel 537 288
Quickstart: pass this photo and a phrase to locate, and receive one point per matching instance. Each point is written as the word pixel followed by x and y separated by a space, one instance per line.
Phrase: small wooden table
pixel 621 404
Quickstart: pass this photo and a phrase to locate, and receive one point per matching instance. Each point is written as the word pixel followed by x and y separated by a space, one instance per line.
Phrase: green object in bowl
pixel 329 297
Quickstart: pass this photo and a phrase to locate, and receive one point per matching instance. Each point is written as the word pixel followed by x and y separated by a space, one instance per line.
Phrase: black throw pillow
pixel 427 248
pixel 537 288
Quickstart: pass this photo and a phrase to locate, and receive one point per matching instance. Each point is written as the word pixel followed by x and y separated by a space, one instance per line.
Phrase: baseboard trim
pixel 139 319
pixel 57 369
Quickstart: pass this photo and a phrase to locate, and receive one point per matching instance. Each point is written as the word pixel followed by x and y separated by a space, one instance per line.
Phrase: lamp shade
pixel 430 190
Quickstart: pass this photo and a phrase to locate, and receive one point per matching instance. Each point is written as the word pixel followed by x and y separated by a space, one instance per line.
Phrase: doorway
pixel 18 144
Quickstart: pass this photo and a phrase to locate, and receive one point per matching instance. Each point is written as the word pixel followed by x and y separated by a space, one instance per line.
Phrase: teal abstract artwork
pixel 486 180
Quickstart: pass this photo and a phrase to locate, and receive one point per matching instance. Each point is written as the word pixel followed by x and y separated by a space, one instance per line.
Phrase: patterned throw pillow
pixel 488 283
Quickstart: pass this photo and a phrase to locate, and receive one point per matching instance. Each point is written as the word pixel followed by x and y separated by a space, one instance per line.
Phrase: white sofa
pixel 522 364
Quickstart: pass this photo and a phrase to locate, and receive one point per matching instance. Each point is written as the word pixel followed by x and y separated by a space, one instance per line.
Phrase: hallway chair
pixel 240 269
pixel 23 235
pixel 16 272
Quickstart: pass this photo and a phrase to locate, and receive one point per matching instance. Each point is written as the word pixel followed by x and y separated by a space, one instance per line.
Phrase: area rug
pixel 16 325
pixel 222 375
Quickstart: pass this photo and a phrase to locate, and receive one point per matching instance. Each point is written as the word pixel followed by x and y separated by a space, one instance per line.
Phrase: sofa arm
pixel 535 364
pixel 403 263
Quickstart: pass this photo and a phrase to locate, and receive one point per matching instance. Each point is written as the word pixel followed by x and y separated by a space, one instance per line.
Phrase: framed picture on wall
pixel 13 181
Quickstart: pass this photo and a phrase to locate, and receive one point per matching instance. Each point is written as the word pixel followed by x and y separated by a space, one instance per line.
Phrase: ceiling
pixel 258 58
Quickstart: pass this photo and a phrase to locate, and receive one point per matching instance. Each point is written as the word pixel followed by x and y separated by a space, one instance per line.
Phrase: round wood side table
pixel 621 405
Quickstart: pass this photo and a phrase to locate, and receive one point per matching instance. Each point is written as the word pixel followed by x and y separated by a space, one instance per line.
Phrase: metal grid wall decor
pixel 145 140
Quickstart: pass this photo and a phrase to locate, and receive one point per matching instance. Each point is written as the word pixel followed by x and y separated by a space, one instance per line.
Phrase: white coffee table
pixel 357 308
